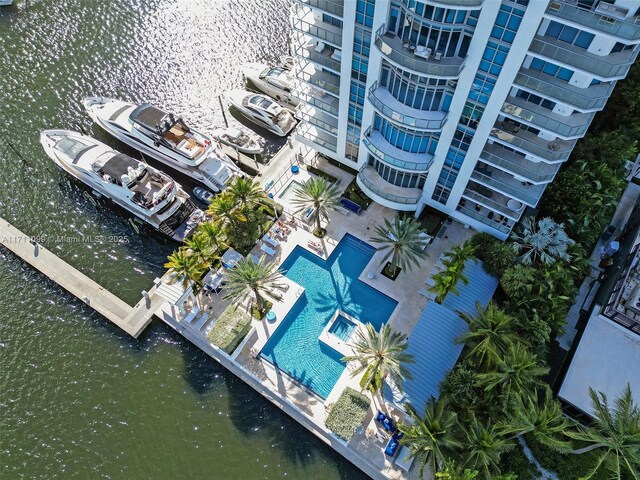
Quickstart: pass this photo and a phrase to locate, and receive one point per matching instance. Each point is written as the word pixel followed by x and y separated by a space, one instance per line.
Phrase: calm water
pixel 78 399
pixel 330 285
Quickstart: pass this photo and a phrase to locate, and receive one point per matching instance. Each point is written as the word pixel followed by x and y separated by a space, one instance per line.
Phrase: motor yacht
pixel 262 111
pixel 238 139
pixel 277 82
pixel 149 194
pixel 5 3
pixel 166 138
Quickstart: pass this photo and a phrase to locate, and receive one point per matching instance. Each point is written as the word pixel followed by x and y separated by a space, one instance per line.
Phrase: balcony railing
pixel 309 53
pixel 490 203
pixel 316 77
pixel 614 66
pixel 311 136
pixel 505 183
pixel 625 29
pixel 459 3
pixel 333 7
pixel 370 180
pixel 391 46
pixel 554 151
pixel 591 98
pixel 497 156
pixel 320 119
pixel 470 212
pixel 571 126
pixel 317 98
pixel 322 32
pixel 384 151
pixel 397 111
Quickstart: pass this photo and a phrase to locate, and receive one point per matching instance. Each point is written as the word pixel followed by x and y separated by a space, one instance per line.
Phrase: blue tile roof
pixel 433 340
pixel 480 288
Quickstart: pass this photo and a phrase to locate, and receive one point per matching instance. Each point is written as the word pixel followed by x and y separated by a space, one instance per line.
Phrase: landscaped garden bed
pixel 347 413
pixel 321 174
pixel 230 329
pixel 356 195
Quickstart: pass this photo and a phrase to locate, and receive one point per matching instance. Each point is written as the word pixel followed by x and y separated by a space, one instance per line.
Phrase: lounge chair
pixel 394 443
pixel 271 241
pixel 386 422
pixel 315 245
pixel 269 251
pixel 254 258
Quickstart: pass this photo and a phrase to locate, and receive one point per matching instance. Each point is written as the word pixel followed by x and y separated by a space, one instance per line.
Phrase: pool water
pixel 330 285
pixel 342 328
pixel 288 193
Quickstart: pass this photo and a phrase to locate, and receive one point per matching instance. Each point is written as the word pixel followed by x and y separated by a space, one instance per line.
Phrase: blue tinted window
pixel 584 39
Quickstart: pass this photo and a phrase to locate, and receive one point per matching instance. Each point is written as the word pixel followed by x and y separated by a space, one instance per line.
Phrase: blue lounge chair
pixel 394 443
pixel 386 422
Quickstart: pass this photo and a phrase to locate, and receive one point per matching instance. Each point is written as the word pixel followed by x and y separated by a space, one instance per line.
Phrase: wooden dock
pixel 132 320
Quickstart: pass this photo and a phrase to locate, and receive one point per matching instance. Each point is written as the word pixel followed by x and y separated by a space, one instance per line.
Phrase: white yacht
pixel 166 138
pixel 5 3
pixel 277 82
pixel 238 139
pixel 262 111
pixel 149 194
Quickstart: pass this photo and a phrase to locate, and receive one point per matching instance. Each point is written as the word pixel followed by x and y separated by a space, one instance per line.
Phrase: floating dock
pixel 132 320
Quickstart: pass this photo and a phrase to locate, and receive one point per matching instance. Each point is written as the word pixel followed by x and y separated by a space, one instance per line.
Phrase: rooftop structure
pixel 467 106
pixel 608 355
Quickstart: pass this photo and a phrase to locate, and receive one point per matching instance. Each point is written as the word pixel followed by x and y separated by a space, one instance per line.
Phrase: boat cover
pixel 148 116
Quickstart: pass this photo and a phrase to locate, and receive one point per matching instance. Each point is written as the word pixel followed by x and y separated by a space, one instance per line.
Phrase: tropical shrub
pixel 347 413
pixel 544 241
pixel 230 329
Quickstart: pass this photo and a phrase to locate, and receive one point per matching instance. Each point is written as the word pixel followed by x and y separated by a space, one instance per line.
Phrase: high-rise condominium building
pixel 469 106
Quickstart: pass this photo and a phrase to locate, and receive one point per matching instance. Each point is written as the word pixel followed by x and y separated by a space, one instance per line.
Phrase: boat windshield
pixel 273 72
pixel 261 102
pixel 72 147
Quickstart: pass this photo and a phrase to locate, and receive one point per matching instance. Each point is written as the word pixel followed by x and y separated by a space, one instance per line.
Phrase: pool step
pixel 359 245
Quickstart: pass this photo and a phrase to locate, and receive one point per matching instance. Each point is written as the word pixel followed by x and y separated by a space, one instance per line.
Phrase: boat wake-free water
pixel 262 111
pixel 238 139
pixel 277 82
pixel 166 138
pixel 149 194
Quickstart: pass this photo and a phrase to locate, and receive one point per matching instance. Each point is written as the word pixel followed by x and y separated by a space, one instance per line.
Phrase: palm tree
pixel 483 446
pixel 518 280
pixel 246 192
pixel 431 438
pixel 320 196
pixel 543 418
pixel 186 267
pixel 446 281
pixel 404 242
pixel 616 432
pixel 214 232
pixel 460 253
pixel 380 355
pixel 199 246
pixel 248 278
pixel 545 241
pixel 492 333
pixel 518 374
pixel 223 208
pixel 452 471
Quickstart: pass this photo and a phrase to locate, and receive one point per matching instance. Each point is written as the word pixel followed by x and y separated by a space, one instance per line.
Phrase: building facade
pixel 468 106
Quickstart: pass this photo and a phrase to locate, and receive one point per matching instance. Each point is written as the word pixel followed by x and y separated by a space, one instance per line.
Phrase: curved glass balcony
pixel 376 186
pixel 604 19
pixel 571 126
pixel 421 63
pixel 396 111
pixel 387 153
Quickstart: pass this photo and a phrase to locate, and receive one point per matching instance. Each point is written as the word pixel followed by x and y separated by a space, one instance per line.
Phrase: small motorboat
pixel 203 195
pixel 263 111
pixel 238 139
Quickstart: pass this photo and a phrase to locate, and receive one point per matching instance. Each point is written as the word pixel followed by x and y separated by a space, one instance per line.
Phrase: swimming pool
pixel 288 193
pixel 330 285
pixel 342 328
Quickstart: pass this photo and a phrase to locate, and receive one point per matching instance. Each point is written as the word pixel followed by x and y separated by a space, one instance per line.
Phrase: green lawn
pixel 347 413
